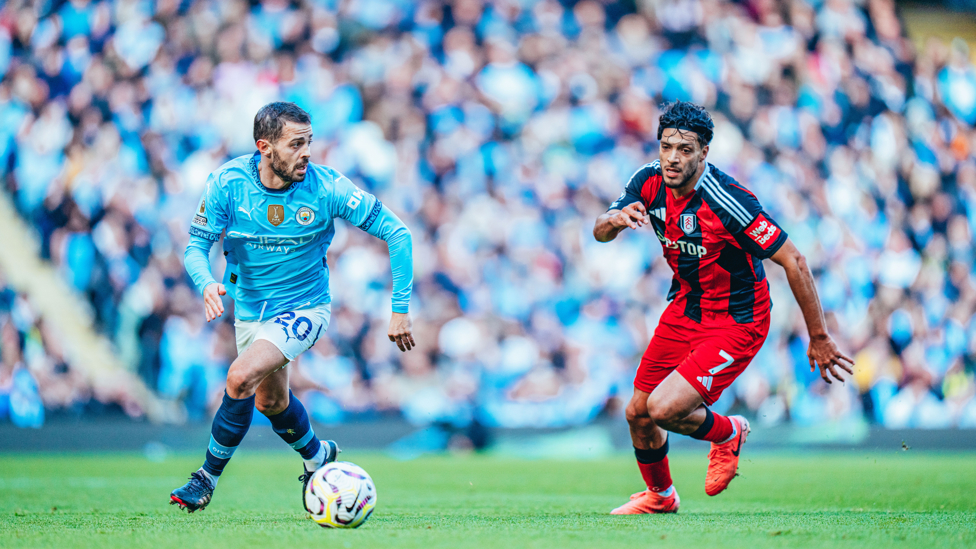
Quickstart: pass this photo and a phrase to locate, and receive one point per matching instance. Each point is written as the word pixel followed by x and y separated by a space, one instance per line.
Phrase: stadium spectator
pixel 496 131
pixel 34 376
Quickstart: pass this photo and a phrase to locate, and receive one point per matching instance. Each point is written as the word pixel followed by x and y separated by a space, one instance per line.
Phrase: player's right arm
pixel 609 225
pixel 628 211
pixel 209 220
pixel 370 215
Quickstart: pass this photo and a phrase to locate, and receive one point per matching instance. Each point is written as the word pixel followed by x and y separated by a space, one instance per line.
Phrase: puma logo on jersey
pixel 248 212
pixel 685 247
pixel 762 231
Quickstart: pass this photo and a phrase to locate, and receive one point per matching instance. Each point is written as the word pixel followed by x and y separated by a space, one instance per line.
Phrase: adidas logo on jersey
pixel 659 213
pixel 706 382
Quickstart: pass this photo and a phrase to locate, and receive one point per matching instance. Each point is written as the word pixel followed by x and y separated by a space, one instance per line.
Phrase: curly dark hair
pixel 270 120
pixel 686 116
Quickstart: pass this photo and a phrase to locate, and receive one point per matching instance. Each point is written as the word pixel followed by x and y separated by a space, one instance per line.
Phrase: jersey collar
pixel 704 174
pixel 252 166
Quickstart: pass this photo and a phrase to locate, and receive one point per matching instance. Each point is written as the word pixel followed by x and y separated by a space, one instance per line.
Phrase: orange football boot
pixel 723 459
pixel 647 502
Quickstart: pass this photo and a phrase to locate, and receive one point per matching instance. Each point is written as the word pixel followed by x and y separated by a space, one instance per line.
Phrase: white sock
pixel 213 479
pixel 667 492
pixel 317 461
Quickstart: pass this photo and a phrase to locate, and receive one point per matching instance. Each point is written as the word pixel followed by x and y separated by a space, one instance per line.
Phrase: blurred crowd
pixel 33 371
pixel 499 131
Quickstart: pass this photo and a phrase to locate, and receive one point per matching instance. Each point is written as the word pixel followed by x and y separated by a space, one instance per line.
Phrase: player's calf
pixel 229 426
pixel 677 412
pixel 293 426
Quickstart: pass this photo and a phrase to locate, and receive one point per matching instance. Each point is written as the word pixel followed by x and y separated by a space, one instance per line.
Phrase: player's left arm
pixel 757 233
pixel 366 212
pixel 823 351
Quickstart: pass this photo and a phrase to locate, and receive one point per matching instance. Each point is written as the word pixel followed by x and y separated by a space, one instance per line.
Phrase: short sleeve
pixel 353 204
pixel 753 229
pixel 632 192
pixel 763 237
pixel 210 218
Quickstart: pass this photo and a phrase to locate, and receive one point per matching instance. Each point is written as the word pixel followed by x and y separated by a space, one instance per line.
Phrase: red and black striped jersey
pixel 714 239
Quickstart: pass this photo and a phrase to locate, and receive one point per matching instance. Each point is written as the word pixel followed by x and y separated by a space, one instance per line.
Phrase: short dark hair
pixel 683 115
pixel 270 120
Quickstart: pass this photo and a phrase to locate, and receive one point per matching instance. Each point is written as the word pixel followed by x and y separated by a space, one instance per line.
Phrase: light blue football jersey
pixel 276 241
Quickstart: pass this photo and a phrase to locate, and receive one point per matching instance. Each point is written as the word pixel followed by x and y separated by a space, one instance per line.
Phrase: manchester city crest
pixel 305 216
pixel 689 223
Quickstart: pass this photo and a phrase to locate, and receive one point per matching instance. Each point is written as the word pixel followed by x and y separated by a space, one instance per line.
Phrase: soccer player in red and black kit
pixel 715 235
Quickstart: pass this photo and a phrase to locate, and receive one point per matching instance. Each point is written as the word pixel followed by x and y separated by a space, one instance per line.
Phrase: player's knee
pixel 631 413
pixel 636 412
pixel 271 405
pixel 663 413
pixel 239 384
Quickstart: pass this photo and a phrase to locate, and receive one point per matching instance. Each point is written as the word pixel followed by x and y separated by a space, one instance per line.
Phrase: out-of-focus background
pixel 498 131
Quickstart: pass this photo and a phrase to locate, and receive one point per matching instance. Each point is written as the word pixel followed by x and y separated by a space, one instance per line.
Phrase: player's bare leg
pixel 676 406
pixel 271 395
pixel 260 360
pixel 651 449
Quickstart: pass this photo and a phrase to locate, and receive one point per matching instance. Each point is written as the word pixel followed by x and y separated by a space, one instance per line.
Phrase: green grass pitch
pixel 903 499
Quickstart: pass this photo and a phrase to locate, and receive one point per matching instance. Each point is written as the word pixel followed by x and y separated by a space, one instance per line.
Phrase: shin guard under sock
pixel 716 428
pixel 653 465
pixel 293 427
pixel 229 427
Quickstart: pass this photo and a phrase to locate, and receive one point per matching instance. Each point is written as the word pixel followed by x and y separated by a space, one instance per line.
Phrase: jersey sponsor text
pixel 762 232
pixel 686 247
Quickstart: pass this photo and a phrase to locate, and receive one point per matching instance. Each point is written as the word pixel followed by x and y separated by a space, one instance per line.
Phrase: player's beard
pixel 281 169
pixel 691 168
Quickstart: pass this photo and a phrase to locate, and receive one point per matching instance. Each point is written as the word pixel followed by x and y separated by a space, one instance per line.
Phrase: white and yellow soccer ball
pixel 340 495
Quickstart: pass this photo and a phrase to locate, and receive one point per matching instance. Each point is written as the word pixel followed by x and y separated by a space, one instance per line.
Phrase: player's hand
pixel 400 331
pixel 633 215
pixel 823 352
pixel 212 302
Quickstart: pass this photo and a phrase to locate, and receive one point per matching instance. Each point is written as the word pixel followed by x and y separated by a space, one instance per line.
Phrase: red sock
pixel 720 431
pixel 656 475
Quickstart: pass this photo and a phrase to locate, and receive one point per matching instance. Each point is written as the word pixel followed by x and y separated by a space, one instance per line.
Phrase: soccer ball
pixel 340 495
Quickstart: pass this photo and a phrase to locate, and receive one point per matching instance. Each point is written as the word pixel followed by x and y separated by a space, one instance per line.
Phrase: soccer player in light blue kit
pixel 278 211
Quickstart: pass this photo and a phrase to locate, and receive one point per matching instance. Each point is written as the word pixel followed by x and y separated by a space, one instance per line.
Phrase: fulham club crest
pixel 689 223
